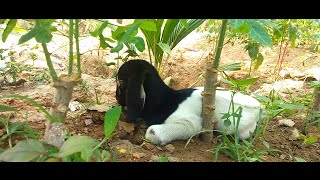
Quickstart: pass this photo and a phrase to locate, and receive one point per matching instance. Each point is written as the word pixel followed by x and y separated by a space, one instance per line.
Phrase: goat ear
pixel 121 92
pixel 135 96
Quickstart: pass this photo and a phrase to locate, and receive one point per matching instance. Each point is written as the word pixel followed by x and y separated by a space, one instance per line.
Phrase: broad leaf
pixel 24 151
pixel 29 35
pixel 43 36
pixel 10 26
pixel 246 82
pixel 130 33
pixel 111 119
pixel 138 42
pixel 148 25
pixel 228 82
pixel 86 154
pixel 236 23
pixel 165 47
pixel 258 61
pixel 258 33
pixel 76 144
pixel 226 123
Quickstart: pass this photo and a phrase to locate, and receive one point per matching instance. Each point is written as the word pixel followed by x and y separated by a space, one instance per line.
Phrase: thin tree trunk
pixel 209 93
pixel 316 100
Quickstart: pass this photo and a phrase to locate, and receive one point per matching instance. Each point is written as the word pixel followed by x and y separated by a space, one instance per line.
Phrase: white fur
pixel 186 121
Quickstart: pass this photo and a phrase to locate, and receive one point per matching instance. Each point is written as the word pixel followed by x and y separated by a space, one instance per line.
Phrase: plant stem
pixel 76 35
pixel 209 93
pixel 52 72
pixel 220 44
pixel 70 46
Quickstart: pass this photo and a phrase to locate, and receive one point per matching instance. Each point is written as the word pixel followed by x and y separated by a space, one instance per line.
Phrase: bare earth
pixel 185 66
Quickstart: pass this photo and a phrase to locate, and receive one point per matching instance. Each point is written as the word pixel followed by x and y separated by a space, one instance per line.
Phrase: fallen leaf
pixel 170 148
pixel 128 127
pixel 138 155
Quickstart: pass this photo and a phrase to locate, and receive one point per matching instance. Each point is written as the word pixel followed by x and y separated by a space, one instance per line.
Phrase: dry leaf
pixel 128 127
pixel 138 155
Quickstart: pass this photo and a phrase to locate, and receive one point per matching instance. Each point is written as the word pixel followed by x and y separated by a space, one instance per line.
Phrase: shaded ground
pixel 185 67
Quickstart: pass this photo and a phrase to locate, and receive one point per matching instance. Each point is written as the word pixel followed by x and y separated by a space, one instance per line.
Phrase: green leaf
pixel 138 42
pixel 103 43
pixel 148 25
pixel 184 22
pixel 86 154
pixel 165 47
pixel 164 159
pixel 225 116
pixel 111 119
pixel 105 156
pixel 10 26
pixel 310 140
pixel 244 28
pixel 246 82
pixel 2 21
pixel 130 33
pixel 300 159
pixel 29 35
pixel 228 82
pixel 236 23
pixel 76 144
pixel 103 26
pixel 7 108
pixel 253 49
pixel 291 106
pixel 231 67
pixel 226 123
pixel 258 61
pixel 117 48
pixel 258 33
pixel 43 36
pixel 315 83
pixel 263 98
pixel 24 151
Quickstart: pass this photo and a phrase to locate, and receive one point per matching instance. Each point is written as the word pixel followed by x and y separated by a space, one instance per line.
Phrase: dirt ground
pixel 185 67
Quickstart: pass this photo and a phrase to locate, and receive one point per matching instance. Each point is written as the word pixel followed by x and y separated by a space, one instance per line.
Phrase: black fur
pixel 160 102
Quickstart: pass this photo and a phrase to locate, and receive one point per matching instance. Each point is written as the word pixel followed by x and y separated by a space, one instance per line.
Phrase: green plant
pixel 275 105
pixel 246 150
pixel 18 128
pixel 74 149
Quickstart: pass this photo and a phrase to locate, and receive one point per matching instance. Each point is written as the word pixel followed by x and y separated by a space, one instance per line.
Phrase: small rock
pixel 148 146
pixel 74 106
pixel 138 155
pixel 170 148
pixel 88 122
pixel 286 122
pixel 155 158
pixel 173 159
pixel 294 134
pixel 282 156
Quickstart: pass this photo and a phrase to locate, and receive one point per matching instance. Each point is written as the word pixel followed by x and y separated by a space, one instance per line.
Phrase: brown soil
pixel 185 67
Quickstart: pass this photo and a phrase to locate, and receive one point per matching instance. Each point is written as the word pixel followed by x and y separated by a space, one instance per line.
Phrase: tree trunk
pixel 62 97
